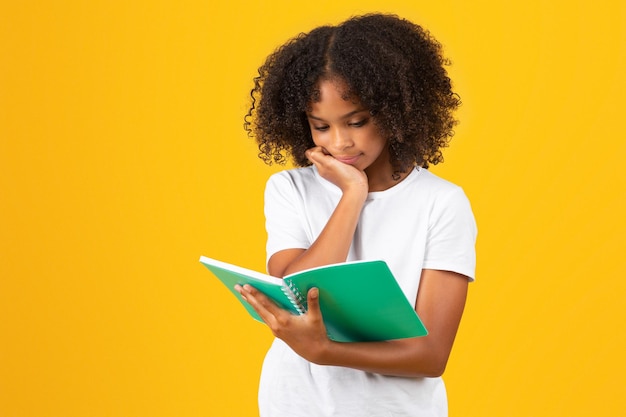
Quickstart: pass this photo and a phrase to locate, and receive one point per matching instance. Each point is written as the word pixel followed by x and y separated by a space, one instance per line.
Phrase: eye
pixel 321 128
pixel 358 123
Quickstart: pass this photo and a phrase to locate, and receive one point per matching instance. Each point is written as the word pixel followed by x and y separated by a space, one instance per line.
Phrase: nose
pixel 340 139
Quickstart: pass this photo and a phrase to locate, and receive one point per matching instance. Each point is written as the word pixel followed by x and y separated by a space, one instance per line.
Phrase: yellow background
pixel 123 159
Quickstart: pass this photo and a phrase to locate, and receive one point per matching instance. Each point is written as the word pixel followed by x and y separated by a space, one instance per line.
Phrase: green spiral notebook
pixel 360 301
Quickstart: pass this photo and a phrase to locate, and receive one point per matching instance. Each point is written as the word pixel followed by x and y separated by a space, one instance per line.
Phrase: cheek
pixel 374 140
pixel 318 139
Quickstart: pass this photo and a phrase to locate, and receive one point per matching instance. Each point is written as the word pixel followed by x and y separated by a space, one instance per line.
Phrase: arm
pixel 440 303
pixel 333 243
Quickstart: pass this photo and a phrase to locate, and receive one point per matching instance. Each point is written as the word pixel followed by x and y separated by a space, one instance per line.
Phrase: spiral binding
pixel 295 297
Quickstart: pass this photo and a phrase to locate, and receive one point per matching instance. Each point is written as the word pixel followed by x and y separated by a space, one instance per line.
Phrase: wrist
pixel 357 193
pixel 324 353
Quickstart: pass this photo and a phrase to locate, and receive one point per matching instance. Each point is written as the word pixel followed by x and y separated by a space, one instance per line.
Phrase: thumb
pixel 313 301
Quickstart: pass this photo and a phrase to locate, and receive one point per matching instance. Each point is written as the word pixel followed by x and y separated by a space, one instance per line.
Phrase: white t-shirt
pixel 424 222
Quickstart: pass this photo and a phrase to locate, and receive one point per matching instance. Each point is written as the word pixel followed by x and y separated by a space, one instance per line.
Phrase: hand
pixel 344 176
pixel 305 334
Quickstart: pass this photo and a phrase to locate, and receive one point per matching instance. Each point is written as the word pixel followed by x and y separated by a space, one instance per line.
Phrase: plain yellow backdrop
pixel 123 159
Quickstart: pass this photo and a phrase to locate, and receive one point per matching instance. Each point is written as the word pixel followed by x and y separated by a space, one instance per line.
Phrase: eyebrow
pixel 345 116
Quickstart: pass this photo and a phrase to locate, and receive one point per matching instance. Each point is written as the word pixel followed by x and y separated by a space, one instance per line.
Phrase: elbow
pixel 432 368
pixel 425 360
pixel 435 360
pixel 436 370
pixel 439 364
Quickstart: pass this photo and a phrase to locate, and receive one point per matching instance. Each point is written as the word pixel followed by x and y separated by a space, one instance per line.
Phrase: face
pixel 346 130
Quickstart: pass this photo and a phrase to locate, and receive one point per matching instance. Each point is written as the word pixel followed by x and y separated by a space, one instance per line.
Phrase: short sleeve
pixel 452 235
pixel 284 221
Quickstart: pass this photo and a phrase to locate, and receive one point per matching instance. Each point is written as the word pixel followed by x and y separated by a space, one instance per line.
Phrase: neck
pixel 384 181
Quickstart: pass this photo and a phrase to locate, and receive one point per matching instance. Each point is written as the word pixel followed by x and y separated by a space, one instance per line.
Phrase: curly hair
pixel 394 67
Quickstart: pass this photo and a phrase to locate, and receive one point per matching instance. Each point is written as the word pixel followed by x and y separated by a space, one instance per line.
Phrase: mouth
pixel 350 160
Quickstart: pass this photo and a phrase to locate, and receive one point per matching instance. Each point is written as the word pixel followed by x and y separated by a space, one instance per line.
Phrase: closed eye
pixel 358 123
pixel 320 128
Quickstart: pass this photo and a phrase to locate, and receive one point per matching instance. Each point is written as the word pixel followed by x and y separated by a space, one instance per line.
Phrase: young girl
pixel 363 108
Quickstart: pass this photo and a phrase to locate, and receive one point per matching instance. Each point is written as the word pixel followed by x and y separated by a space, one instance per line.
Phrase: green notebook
pixel 360 301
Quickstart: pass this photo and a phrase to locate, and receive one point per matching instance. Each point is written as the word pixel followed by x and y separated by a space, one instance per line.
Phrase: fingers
pixel 315 155
pixel 306 334
pixel 253 296
pixel 327 165
pixel 267 308
pixel 261 304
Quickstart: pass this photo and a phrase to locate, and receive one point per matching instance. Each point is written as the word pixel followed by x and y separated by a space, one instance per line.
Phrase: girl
pixel 363 108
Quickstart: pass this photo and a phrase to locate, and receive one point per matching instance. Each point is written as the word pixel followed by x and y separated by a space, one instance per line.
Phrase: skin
pixel 351 153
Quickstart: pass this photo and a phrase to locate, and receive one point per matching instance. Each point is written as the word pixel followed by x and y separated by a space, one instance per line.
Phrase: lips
pixel 350 160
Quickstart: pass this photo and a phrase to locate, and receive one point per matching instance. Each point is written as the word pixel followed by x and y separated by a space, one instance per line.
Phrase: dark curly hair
pixel 395 68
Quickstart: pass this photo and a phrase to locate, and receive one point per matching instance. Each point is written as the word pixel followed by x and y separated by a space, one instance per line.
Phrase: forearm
pixel 407 357
pixel 333 243
pixel 440 305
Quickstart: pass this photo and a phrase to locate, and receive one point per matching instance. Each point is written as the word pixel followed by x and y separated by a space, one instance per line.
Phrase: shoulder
pixel 295 176
pixel 291 181
pixel 432 188
pixel 434 182
pixel 441 198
